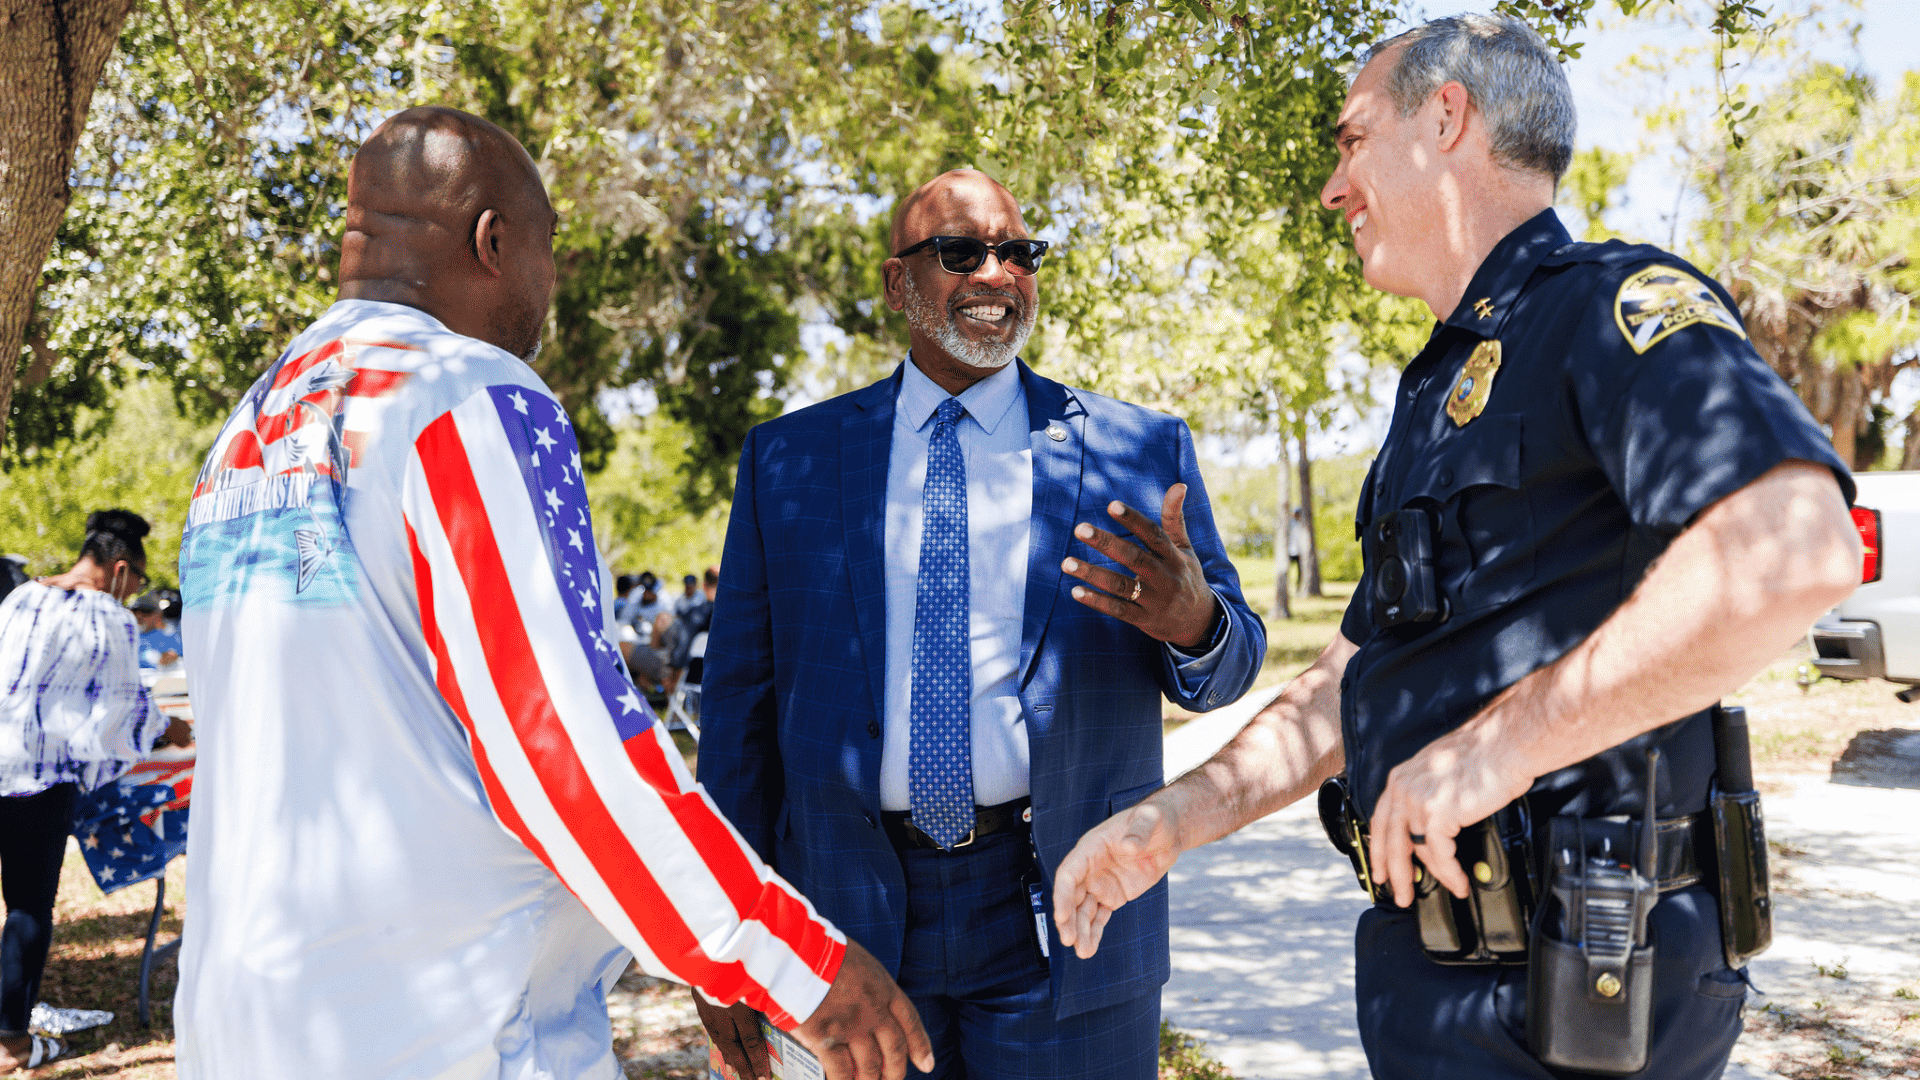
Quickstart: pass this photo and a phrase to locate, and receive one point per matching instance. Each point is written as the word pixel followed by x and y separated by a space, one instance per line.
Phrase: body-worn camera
pixel 1400 553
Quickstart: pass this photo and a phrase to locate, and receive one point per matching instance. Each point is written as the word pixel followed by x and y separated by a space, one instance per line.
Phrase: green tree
pixel 1811 222
pixel 1592 186
pixel 144 458
pixel 687 146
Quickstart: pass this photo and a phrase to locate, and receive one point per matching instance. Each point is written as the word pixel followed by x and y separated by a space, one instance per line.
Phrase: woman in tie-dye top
pixel 73 715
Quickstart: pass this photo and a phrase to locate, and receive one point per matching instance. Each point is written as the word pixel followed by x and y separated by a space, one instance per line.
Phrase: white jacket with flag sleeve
pixel 432 816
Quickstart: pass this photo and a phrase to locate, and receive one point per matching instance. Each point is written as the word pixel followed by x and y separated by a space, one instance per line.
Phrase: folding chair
pixel 683 708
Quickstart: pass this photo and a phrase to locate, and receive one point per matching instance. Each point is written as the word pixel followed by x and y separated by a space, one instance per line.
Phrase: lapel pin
pixel 1483 307
pixel 1056 433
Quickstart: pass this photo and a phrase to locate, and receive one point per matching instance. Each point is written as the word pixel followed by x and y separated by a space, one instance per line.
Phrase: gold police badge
pixel 1659 300
pixel 1469 395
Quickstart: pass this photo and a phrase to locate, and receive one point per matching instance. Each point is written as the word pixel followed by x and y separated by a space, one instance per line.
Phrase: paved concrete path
pixel 1263 921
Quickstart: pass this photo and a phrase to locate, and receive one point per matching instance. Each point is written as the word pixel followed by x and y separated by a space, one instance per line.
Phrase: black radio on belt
pixel 1400 554
pixel 1590 973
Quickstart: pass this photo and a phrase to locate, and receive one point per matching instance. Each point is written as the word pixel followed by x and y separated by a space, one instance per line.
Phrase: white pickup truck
pixel 1875 633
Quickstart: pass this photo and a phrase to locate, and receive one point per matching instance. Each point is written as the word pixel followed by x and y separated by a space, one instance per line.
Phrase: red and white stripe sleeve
pixel 574 763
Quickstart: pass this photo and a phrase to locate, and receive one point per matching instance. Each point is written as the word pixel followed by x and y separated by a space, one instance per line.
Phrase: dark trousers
pixel 33 841
pixel 973 969
pixel 1421 1020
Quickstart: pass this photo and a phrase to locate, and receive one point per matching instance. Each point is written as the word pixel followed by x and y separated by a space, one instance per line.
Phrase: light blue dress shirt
pixel 995 443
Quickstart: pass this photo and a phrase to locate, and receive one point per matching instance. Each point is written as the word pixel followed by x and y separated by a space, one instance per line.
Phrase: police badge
pixel 1659 300
pixel 1469 395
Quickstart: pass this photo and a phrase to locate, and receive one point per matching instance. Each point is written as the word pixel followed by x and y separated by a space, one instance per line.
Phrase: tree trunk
pixel 1310 558
pixel 1847 407
pixel 1910 453
pixel 51 56
pixel 1282 603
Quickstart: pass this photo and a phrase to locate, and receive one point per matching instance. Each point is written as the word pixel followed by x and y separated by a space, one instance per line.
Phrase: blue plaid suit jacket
pixel 792 704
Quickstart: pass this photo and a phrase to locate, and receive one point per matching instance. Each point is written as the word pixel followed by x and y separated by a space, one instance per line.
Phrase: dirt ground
pixel 1848 1004
pixel 1835 1023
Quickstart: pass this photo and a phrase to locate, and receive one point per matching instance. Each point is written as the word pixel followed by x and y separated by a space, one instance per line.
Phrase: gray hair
pixel 1509 74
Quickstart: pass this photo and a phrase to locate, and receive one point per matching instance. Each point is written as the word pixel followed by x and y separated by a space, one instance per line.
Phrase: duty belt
pixel 1491 925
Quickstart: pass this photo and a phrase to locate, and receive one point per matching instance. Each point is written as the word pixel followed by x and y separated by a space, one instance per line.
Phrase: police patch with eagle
pixel 1659 300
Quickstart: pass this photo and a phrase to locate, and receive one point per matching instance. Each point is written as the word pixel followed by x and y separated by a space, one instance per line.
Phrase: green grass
pixel 1183 1058
pixel 1292 644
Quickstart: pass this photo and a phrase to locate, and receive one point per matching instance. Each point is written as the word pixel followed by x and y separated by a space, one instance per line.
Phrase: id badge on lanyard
pixel 1036 891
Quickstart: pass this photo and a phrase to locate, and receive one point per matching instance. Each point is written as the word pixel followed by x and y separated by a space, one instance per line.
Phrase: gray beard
pixel 983 355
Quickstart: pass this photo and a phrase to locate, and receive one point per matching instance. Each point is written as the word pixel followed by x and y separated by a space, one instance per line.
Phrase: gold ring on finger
pixel 1135 598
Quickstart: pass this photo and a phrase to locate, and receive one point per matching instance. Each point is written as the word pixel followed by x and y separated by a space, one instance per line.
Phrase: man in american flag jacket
pixel 432 815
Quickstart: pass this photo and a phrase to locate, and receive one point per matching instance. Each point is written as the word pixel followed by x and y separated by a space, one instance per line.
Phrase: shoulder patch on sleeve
pixel 1658 300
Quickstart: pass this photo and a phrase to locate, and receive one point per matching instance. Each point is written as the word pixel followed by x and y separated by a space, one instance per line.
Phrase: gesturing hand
pixel 1167 595
pixel 1116 861
pixel 866 1028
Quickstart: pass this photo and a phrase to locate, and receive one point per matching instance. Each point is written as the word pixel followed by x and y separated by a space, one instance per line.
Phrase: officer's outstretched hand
pixel 1116 861
pixel 1166 592
pixel 1453 782
pixel 866 1028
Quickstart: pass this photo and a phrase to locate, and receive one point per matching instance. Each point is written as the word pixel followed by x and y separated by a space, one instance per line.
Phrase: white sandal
pixel 45 1049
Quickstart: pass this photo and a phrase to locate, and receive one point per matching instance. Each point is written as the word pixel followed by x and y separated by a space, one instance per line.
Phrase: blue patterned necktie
pixel 940 755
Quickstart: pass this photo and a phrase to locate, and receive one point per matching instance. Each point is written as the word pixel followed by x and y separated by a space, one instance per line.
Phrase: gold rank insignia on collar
pixel 1660 300
pixel 1483 307
pixel 1468 398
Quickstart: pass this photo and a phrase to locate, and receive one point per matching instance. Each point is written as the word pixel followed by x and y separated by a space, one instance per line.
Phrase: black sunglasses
pixel 964 254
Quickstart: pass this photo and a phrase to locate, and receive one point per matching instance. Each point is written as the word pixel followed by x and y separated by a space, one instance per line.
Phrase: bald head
pixel 434 164
pixel 447 213
pixel 961 195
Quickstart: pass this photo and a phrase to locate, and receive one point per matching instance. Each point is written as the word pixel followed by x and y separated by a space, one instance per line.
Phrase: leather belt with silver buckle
pixel 987 820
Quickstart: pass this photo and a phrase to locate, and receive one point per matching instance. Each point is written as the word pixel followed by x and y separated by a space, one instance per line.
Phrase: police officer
pixel 1602 512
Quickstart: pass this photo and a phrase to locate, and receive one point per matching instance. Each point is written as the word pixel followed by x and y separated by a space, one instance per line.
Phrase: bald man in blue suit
pixel 929 672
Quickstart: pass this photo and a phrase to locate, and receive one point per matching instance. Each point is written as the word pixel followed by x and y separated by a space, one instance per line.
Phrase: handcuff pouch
pixel 1490 925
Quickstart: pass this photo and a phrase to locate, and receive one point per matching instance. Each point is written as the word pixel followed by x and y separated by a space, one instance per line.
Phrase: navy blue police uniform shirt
pixel 1627 399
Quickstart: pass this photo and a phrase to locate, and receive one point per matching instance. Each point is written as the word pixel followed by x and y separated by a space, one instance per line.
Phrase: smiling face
pixel 964 327
pixel 1386 184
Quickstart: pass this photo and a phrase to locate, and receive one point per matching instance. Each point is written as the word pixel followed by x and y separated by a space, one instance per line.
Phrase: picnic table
pixel 130 829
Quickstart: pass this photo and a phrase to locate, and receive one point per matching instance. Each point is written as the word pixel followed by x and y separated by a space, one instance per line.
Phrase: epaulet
pixel 1612 253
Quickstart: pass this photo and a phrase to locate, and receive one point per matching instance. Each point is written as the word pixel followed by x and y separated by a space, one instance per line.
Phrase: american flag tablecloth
pixel 130 829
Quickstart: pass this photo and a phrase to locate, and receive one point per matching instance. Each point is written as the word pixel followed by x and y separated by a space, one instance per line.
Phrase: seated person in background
pixel 644 609
pixel 159 643
pixel 691 622
pixel 170 607
pixel 624 596
pixel 691 597
pixel 647 658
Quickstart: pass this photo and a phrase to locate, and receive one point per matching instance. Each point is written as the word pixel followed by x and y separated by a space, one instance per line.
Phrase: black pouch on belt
pixel 1490 925
pixel 1739 842
pixel 1590 970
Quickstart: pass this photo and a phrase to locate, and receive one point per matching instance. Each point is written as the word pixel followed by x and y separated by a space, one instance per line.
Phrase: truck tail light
pixel 1868 522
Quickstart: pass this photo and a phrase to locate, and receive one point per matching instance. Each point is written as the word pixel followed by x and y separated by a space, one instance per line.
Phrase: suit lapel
pixel 866 437
pixel 1056 429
